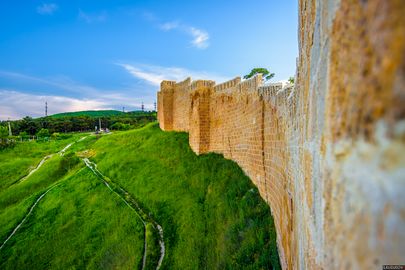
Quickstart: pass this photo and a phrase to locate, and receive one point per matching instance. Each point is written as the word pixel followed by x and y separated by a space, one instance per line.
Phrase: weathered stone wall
pixel 181 105
pixel 328 155
pixel 165 104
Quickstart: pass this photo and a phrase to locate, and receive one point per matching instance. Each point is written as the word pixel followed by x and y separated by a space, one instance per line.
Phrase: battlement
pixel 199 84
pixel 184 84
pixel 251 84
pixel 270 90
pixel 228 84
pixel 167 85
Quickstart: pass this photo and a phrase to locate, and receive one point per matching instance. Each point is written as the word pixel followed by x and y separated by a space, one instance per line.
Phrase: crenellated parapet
pixel 167 85
pixel 186 82
pixel 227 85
pixel 251 84
pixel 202 84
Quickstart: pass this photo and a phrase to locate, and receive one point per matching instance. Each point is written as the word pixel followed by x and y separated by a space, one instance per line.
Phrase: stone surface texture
pixel 327 154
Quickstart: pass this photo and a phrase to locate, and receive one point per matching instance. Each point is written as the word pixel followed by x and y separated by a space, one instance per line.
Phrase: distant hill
pixel 82 121
pixel 100 113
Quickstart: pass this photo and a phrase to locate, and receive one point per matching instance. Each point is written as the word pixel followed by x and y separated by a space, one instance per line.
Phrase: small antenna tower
pixel 46 108
pixel 123 109
pixel 142 107
pixel 154 104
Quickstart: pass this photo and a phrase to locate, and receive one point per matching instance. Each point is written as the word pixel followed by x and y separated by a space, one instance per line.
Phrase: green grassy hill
pixel 98 113
pixel 211 214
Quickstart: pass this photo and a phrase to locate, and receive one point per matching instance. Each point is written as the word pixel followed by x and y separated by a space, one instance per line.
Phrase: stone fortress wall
pixel 328 154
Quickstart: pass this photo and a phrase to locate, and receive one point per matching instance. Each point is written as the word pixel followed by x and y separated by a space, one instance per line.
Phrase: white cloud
pixel 47 9
pixel 169 26
pixel 16 105
pixel 201 38
pixel 155 74
pixel 92 18
pixel 151 77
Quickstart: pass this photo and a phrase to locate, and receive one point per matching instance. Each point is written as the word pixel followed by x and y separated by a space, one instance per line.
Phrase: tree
pixel 23 135
pixel 264 71
pixel 30 125
pixel 4 138
pixel 121 126
pixel 43 133
pixel 291 80
pixel 3 132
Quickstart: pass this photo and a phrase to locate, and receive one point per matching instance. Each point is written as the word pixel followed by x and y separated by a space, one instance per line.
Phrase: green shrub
pixel 68 161
pixel 3 132
pixel 121 126
pixel 43 133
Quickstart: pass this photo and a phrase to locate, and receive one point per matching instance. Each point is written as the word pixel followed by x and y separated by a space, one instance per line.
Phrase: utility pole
pixel 46 108
pixel 154 104
pixel 99 124
pixel 9 128
pixel 142 107
pixel 123 109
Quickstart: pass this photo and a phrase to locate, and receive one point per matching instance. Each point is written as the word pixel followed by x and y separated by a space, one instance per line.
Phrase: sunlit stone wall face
pixel 328 154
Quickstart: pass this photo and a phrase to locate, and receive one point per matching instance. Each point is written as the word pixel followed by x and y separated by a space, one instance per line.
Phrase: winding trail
pixel 127 199
pixel 61 152
pixel 36 168
pixel 27 215
pixel 131 203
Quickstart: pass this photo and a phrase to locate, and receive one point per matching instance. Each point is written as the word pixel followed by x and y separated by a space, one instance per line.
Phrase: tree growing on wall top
pixel 291 80
pixel 267 75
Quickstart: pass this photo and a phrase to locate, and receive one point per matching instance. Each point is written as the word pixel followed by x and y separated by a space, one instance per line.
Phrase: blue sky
pixel 80 55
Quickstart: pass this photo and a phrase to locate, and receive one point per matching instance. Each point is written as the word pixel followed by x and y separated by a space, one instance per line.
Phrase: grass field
pixel 81 224
pixel 16 162
pixel 212 215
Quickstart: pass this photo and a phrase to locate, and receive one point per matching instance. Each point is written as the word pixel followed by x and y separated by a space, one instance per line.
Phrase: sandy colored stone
pixel 327 155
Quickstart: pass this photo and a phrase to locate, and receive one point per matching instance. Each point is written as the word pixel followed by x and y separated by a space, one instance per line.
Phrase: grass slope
pixel 16 162
pixel 79 224
pixel 211 213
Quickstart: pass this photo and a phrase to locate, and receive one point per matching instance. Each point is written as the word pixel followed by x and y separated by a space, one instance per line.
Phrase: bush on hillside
pixel 5 140
pixel 121 126
pixel 68 161
pixel 43 133
pixel 3 132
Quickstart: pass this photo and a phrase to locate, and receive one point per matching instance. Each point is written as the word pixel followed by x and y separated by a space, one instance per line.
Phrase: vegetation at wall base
pixel 212 215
